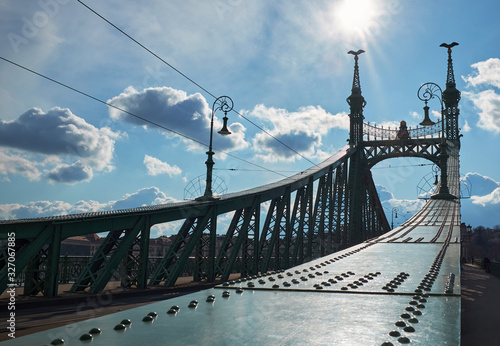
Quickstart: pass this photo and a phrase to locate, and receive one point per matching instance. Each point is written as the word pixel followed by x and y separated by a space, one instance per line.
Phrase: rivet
pixel 417 312
pixel 172 311
pixel 413 302
pixel 177 308
pixel 86 337
pixel 344 288
pixel 276 286
pixel 400 324
pixel 405 315
pixel 126 322
pixel 390 290
pixel 409 329
pixel 118 327
pixel 404 340
pixel 394 333
pixel 410 308
pixel 226 294
pixel 413 320
pixel 147 318
pixel 193 304
pixel 420 306
pixel 422 300
pixel 95 331
pixel 319 287
pixel 239 290
pixel 153 314
pixel 57 342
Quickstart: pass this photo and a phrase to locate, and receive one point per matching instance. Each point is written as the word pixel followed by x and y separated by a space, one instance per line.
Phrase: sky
pixel 284 64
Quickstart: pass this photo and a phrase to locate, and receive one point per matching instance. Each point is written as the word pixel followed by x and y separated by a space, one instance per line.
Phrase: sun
pixel 356 15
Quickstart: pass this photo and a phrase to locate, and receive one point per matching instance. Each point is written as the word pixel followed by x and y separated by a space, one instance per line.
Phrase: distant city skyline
pixel 285 66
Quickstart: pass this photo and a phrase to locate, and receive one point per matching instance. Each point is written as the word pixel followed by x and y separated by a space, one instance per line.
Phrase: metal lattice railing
pixel 372 132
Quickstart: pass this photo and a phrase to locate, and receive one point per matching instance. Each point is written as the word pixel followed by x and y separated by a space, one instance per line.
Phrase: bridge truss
pixel 303 217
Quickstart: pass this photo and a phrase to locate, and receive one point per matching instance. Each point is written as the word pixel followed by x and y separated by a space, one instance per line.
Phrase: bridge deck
pixel 366 291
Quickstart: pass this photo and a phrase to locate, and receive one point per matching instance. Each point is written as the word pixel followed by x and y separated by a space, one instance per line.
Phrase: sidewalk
pixel 480 307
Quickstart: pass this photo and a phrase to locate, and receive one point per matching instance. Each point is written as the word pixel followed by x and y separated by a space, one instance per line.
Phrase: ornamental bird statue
pixel 355 53
pixel 449 46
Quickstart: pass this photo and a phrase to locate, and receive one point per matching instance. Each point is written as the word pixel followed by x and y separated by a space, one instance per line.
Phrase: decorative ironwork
pixel 373 132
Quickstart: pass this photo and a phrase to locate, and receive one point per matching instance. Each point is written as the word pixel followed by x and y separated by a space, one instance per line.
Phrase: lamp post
pixel 426 92
pixel 394 211
pixel 225 104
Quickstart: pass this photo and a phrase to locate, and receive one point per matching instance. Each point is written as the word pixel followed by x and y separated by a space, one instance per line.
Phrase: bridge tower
pixel 357 168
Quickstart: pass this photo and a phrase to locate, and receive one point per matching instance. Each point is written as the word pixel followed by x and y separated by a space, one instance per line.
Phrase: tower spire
pixel 451 97
pixel 356 102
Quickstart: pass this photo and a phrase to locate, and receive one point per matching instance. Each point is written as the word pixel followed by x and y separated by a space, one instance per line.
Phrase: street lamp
pixel 426 92
pixel 225 104
pixel 394 211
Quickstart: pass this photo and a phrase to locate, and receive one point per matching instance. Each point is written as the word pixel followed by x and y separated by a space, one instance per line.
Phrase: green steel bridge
pixel 318 260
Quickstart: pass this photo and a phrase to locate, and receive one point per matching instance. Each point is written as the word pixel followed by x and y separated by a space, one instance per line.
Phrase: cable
pixel 136 116
pixel 250 170
pixel 419 165
pixel 191 80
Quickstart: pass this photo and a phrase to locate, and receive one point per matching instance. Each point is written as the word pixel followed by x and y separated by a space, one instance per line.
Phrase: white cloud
pixel 55 135
pixel 489 199
pixel 143 197
pixel 486 101
pixel 156 167
pixel 481 185
pixel 466 127
pixel 16 165
pixel 488 72
pixel 301 130
pixel 188 115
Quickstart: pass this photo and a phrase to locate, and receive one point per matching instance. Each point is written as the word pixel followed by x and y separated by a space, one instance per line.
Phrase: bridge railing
pixel 374 132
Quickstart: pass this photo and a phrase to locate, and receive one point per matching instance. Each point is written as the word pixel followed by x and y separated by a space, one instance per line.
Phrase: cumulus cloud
pixel 16 165
pixel 143 197
pixel 488 72
pixel 489 199
pixel 188 115
pixel 486 101
pixel 54 135
pixel 302 130
pixel 483 207
pixel 156 167
pixel 70 174
pixel 481 185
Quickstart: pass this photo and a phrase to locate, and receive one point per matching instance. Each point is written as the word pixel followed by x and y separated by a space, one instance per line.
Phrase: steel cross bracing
pixel 307 215
pixel 378 150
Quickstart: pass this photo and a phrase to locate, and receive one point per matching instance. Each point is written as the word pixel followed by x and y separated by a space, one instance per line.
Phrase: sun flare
pixel 356 14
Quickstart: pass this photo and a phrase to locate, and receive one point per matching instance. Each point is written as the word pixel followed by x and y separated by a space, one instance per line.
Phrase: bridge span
pixel 397 288
pixel 321 267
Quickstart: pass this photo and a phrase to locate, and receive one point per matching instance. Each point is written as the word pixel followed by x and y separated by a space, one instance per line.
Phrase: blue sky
pixel 283 63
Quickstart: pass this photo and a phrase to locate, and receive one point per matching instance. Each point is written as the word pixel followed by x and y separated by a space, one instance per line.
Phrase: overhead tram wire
pixel 135 115
pixel 191 80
